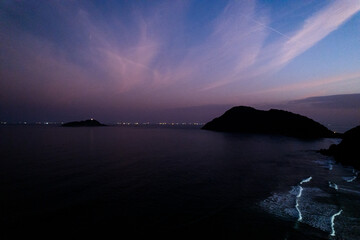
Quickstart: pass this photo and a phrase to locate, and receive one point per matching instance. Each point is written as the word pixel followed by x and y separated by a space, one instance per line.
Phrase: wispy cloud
pixel 43 76
pixel 233 46
pixel 258 59
pixel 313 30
pixel 312 87
pixel 149 52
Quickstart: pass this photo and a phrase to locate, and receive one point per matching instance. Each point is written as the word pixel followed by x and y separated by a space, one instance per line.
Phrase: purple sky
pixel 129 60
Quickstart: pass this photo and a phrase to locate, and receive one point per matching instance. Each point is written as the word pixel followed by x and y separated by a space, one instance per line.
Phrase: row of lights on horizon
pixel 160 123
pixel 37 123
pixel 118 123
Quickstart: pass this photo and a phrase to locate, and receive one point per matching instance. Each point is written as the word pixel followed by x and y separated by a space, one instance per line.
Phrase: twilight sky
pixel 124 60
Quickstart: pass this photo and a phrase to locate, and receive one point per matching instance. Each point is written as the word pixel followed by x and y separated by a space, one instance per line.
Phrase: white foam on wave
pixel 299 195
pixel 306 180
pixel 297 203
pixel 313 213
pixel 325 164
pixel 319 208
pixel 332 222
pixel 350 179
pixel 333 185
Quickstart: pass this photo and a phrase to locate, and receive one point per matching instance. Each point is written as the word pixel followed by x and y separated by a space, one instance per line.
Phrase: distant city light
pixel 120 123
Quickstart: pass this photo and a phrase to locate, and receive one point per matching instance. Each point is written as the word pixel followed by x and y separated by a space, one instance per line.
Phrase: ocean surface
pixel 171 183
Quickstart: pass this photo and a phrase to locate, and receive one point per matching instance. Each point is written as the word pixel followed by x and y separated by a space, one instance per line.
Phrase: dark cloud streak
pixel 342 101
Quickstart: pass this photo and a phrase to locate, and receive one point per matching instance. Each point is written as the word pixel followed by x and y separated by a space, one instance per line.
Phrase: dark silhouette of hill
pixel 348 150
pixel 86 123
pixel 250 120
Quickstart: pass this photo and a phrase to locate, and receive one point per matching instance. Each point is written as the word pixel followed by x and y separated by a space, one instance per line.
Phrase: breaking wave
pixel 318 208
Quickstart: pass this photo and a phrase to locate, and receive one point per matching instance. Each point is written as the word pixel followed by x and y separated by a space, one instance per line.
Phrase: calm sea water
pixel 173 183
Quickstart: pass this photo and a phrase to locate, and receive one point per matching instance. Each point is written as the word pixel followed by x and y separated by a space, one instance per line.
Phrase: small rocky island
pixel 87 123
pixel 244 119
pixel 348 150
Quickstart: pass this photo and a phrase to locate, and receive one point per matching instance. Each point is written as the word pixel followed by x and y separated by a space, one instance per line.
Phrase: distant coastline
pixel 86 123
pixel 348 150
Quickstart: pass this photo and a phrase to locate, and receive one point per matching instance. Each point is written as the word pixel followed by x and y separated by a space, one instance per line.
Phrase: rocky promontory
pixel 244 119
pixel 348 150
pixel 86 123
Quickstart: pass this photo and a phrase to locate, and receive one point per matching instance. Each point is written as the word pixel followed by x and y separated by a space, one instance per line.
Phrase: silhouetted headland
pixel 348 150
pixel 250 120
pixel 86 123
